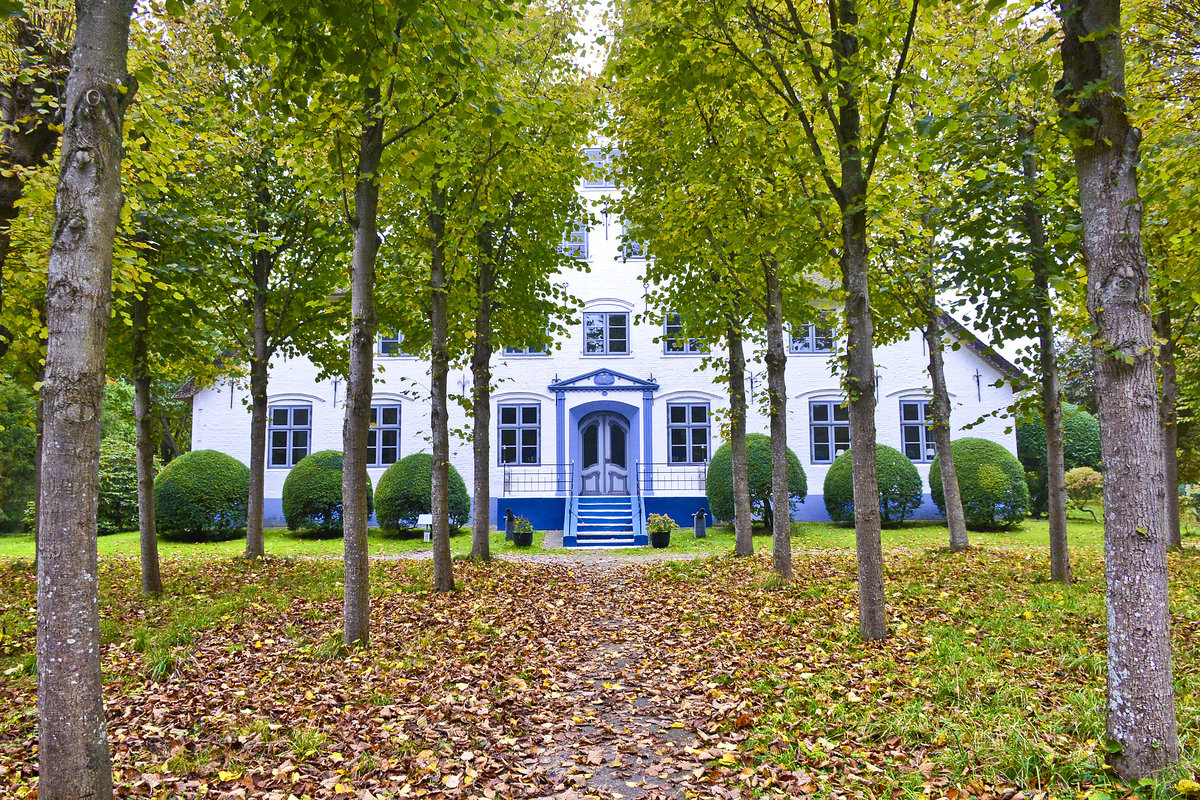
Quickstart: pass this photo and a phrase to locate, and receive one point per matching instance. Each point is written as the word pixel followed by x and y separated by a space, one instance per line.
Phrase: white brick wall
pixel 221 412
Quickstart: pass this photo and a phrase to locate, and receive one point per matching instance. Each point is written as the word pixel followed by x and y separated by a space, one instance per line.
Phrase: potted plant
pixel 660 527
pixel 522 532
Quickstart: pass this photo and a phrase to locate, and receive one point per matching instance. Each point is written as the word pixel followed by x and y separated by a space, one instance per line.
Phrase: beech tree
pixel 73 755
pixel 1092 92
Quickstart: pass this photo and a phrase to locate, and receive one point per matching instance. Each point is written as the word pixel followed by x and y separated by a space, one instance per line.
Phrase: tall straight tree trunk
pixel 1141 699
pixel 39 450
pixel 481 402
pixel 955 519
pixel 439 368
pixel 1170 423
pixel 860 345
pixel 144 425
pixel 356 597
pixel 743 533
pixel 776 358
pixel 1056 470
pixel 260 362
pixel 73 756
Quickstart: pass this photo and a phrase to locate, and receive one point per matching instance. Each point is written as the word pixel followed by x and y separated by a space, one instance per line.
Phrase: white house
pixel 616 423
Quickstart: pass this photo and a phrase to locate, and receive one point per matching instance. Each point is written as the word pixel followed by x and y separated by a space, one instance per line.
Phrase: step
pixel 603 500
pixel 613 516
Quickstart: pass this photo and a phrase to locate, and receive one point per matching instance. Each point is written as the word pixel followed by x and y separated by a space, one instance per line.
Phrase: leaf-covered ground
pixel 602 678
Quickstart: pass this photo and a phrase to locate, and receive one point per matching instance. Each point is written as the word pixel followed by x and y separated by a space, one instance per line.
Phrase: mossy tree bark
pixel 1140 697
pixel 144 425
pixel 73 755
pixel 439 368
pixel 743 532
pixel 776 358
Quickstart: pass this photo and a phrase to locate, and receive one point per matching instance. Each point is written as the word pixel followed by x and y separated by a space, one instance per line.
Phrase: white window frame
pixel 676 345
pixel 395 337
pixel 575 241
pixel 602 163
pixel 810 343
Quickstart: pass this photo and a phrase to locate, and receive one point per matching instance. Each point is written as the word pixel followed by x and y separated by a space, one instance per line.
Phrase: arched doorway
pixel 604 453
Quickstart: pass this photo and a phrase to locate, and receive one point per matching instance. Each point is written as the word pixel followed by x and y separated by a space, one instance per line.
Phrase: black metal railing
pixel 538 479
pixel 667 477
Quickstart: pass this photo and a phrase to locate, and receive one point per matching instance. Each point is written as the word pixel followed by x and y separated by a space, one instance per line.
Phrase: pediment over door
pixel 604 380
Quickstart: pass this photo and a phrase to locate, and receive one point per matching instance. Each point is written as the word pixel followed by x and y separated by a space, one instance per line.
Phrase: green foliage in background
pixel 900 488
pixel 201 496
pixel 991 481
pixel 312 494
pixel 404 494
pixel 118 508
pixel 758 460
pixel 1081 448
pixel 18 447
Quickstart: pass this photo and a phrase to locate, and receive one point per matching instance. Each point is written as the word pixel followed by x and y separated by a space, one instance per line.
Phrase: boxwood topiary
pixel 1081 448
pixel 404 493
pixel 900 488
pixel 201 496
pixel 312 494
pixel 719 484
pixel 991 482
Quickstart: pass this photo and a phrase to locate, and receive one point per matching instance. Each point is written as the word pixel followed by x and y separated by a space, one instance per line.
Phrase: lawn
pixel 609 678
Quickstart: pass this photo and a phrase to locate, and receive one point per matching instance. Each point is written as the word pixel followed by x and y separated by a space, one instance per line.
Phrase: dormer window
pixel 391 344
pixel 673 341
pixel 599 168
pixel 812 338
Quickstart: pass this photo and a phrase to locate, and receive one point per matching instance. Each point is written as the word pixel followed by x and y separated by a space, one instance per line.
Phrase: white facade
pixel 570 388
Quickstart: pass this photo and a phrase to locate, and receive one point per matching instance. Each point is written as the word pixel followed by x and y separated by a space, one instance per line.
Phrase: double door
pixel 604 446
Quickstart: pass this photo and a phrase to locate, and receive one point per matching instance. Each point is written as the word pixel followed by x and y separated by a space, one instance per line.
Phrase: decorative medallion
pixel 605 379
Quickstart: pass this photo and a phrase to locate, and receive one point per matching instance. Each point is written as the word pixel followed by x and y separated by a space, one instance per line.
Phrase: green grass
pixel 279 542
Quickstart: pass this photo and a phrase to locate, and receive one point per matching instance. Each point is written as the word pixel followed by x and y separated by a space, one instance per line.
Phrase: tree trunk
pixel 1141 701
pixel 260 362
pixel 356 597
pixel 955 519
pixel 481 402
pixel 28 124
pixel 860 360
pixel 1056 482
pixel 1170 424
pixel 743 533
pixel 776 358
pixel 39 450
pixel 439 368
pixel 170 450
pixel 73 756
pixel 144 423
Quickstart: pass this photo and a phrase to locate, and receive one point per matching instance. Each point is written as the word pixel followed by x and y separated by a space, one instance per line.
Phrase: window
pixel 383 439
pixel 816 338
pixel 575 241
pixel 289 434
pixel 391 344
pixel 633 250
pixel 520 434
pixel 600 165
pixel 673 341
pixel 605 333
pixel 916 430
pixel 536 350
pixel 687 433
pixel 829 428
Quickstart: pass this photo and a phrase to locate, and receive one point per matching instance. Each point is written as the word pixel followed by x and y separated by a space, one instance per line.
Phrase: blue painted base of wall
pixel 679 509
pixel 545 513
pixel 813 510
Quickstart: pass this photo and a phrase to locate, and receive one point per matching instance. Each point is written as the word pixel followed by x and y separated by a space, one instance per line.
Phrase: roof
pixel 982 349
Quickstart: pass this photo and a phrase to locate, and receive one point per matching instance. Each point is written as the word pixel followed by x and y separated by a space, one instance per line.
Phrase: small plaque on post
pixel 425 521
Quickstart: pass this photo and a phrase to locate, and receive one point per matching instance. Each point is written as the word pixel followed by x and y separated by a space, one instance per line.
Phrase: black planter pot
pixel 660 540
pixel 522 538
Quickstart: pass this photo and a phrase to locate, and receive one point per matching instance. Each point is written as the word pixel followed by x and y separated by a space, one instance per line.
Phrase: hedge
pixel 758 458
pixel 404 493
pixel 991 482
pixel 117 509
pixel 900 488
pixel 201 496
pixel 312 494
pixel 1081 448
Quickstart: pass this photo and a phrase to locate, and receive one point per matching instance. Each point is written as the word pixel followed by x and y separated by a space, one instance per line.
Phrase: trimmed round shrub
pixel 118 502
pixel 900 488
pixel 312 494
pixel 1081 448
pixel 1085 488
pixel 403 494
pixel 991 481
pixel 201 496
pixel 758 462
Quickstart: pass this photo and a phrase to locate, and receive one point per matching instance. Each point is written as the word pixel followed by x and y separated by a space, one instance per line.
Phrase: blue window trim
pixel 690 347
pixel 289 429
pixel 519 427
pixel 607 346
pixel 375 446
pixel 830 423
pixel 924 429
pixel 575 241
pixel 816 341
pixel 602 162
pixel 523 352
pixel 688 425
pixel 396 340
